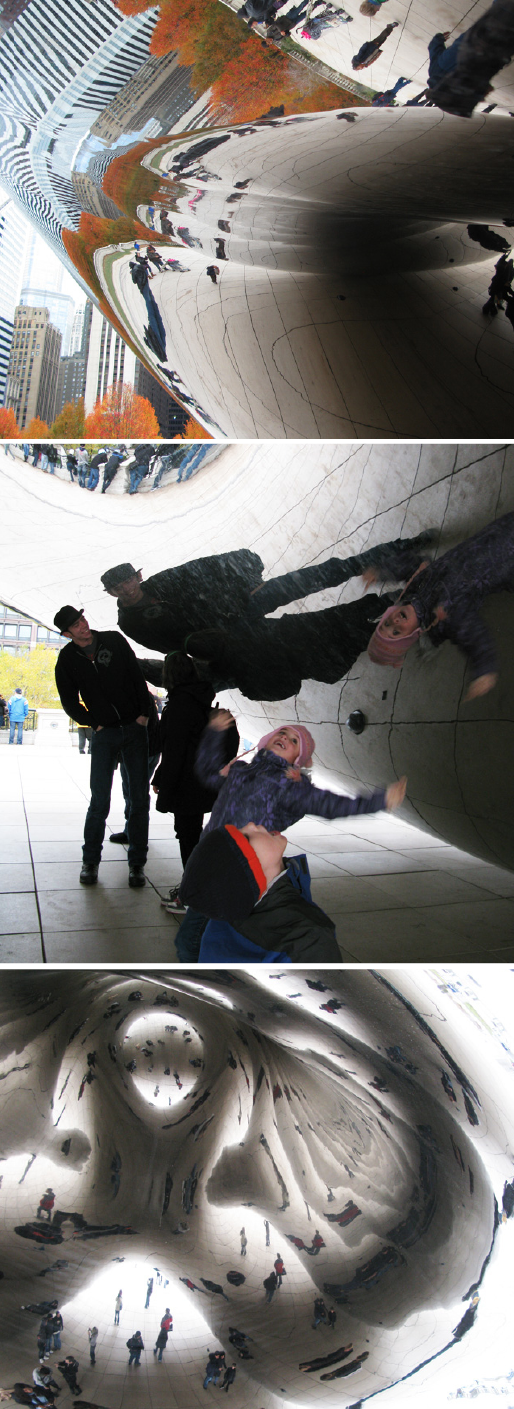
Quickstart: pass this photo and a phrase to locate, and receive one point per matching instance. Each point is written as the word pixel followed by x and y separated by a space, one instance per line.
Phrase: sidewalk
pixel 394 893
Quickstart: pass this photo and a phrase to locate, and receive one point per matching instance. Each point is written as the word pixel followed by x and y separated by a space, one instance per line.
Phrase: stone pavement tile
pixel 490 922
pixel 153 943
pixel 58 831
pixel 64 875
pixel 100 907
pixel 15 851
pixel 338 843
pixel 63 851
pixel 427 888
pixel 404 936
pixel 377 862
pixel 19 914
pixel 21 948
pixel 488 878
pixel 17 876
pixel 348 894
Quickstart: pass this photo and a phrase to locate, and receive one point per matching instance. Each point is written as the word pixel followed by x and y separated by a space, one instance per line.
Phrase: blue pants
pixel 131 741
pixel 212 1374
pixel 189 937
pixel 94 476
pixel 13 725
pixel 135 1355
pixel 136 476
pixel 82 472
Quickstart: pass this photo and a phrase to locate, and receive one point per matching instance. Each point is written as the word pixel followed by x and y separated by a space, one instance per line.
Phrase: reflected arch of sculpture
pixel 336 1106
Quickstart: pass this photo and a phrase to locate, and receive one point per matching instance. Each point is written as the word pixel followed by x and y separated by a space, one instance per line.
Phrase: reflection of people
pixel 265 658
pixel 46 1204
pixel 135 1346
pixel 370 51
pixel 100 684
pixel 92 1337
pixel 443 600
pixel 118 1306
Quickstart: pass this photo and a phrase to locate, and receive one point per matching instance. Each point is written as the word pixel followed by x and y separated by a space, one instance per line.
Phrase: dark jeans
pixel 135 1355
pixel 16 724
pixel 292 586
pixel 189 937
pixel 152 765
pixel 131 741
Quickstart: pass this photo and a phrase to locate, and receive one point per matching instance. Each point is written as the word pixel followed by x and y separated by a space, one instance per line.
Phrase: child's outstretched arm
pixel 211 754
pixel 322 803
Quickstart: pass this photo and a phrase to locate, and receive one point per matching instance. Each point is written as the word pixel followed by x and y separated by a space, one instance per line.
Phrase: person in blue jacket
pixel 18 711
pixel 443 600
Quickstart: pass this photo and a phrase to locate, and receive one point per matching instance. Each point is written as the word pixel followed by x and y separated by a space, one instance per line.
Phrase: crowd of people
pixel 459 72
pixel 241 898
pixel 44 1388
pixel 140 461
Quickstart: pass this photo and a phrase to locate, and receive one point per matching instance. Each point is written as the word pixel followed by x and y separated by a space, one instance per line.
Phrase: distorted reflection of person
pixel 442 601
pixel 216 609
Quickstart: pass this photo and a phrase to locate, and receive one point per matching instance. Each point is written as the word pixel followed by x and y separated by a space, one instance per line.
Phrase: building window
pixel 11 631
pixel 25 633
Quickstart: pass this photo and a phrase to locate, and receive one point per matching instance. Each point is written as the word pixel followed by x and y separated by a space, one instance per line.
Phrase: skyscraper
pixel 12 245
pixel 33 366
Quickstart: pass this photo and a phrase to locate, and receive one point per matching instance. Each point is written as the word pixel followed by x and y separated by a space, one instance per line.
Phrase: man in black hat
pixel 101 685
pixel 226 592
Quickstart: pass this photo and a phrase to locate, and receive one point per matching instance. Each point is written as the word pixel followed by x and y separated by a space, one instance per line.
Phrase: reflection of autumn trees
pixel 122 413
pixel 129 184
pixel 37 429
pixel 8 424
pixel 70 421
pixel 95 232
pixel 246 76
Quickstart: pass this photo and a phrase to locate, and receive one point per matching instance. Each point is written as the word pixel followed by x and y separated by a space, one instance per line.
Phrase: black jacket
pixel 107 690
pixel 183 721
pixel 203 592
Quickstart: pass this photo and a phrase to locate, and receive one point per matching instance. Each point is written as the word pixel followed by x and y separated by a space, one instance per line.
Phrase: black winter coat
pixel 183 721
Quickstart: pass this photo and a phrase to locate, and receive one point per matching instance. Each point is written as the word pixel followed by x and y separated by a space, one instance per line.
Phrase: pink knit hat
pixel 307 743
pixel 390 650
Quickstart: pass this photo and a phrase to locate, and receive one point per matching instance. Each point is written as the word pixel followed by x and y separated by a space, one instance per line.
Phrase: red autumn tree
pixel 37 429
pixel 122 413
pixel 8 424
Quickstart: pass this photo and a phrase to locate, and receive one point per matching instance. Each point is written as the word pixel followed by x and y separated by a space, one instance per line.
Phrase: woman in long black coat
pixel 184 718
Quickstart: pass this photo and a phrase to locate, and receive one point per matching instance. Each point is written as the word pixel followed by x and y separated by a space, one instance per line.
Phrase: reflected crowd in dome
pixel 349 1128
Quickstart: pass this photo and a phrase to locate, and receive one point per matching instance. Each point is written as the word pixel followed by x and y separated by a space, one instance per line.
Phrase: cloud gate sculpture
pixel 292 508
pixel 322 274
pixel 171 1137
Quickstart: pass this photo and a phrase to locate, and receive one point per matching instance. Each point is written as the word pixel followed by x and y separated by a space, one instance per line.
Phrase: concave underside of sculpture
pixel 336 1118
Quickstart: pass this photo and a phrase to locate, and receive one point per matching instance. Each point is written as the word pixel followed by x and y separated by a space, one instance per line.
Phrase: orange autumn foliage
pixel 37 428
pixel 8 424
pixel 194 431
pixel 122 413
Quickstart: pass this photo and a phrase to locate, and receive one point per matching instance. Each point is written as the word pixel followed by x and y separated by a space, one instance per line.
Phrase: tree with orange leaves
pixel 194 431
pixel 8 424
pixel 122 413
pixel 38 429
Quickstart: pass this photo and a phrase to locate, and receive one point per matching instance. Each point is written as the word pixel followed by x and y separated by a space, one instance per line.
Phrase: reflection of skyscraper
pixel 109 360
pixel 12 244
pixel 71 382
pixel 33 366
pixel 47 292
pixel 60 65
